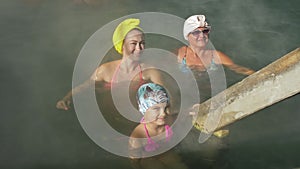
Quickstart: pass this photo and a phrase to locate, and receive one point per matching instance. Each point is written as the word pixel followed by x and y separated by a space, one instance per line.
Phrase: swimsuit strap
pixel 146 130
pixel 141 76
pixel 147 133
pixel 115 74
pixel 186 48
pixel 213 65
pixel 184 56
pixel 117 71
pixel 151 145
pixel 183 66
pixel 169 133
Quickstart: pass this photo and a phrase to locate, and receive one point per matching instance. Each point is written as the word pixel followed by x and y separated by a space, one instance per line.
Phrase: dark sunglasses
pixel 198 32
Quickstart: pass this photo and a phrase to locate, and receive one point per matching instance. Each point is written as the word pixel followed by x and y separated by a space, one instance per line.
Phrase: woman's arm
pixel 240 69
pixel 225 60
pixel 154 76
pixel 65 102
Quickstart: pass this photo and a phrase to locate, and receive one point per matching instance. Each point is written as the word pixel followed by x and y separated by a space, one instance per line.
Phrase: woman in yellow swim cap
pixel 128 40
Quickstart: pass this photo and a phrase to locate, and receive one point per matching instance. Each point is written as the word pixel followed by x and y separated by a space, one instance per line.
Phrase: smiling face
pixel 134 44
pixel 199 37
pixel 157 114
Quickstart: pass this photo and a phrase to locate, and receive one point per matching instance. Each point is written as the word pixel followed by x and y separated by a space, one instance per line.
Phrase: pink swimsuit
pixel 109 85
pixel 151 144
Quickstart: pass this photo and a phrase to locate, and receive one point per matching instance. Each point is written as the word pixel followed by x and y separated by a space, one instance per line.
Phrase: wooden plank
pixel 273 83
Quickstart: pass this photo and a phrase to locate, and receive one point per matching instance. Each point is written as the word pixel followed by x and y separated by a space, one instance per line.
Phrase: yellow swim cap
pixel 121 31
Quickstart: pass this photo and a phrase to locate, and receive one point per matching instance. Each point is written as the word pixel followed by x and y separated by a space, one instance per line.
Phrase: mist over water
pixel 40 41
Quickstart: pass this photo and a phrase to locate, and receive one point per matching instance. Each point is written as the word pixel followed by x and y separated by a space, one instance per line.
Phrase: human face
pixel 134 44
pixel 157 114
pixel 199 37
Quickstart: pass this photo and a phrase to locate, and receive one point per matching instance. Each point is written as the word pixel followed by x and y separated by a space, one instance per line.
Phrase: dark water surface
pixel 41 40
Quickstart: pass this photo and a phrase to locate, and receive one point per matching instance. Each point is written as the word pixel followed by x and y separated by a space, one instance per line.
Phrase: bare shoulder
pixel 110 65
pixel 181 52
pixel 182 49
pixel 138 132
pixel 105 71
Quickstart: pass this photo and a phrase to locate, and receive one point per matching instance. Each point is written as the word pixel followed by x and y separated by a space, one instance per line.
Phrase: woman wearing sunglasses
pixel 198 55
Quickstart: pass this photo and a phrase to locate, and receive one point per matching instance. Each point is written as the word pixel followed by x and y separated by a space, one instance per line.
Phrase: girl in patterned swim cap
pixel 153 103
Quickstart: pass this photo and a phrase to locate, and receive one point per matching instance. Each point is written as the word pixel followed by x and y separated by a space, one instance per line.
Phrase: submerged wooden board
pixel 275 82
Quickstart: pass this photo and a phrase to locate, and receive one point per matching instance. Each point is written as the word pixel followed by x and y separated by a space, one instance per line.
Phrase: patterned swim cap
pixel 149 95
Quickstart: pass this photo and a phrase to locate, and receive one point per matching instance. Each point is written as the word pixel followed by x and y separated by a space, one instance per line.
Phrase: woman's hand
pixel 64 104
pixel 241 70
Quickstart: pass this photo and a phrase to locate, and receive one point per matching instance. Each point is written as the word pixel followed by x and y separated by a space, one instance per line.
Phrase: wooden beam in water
pixel 273 83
